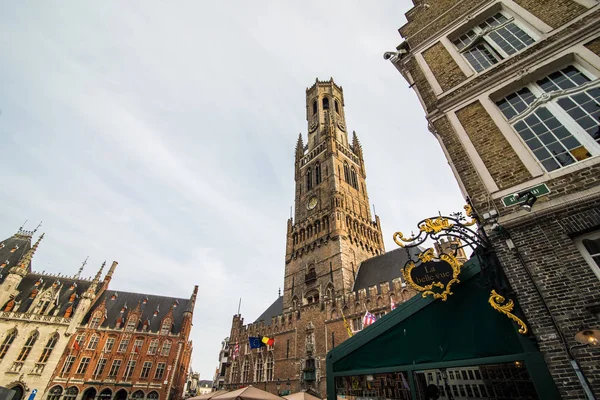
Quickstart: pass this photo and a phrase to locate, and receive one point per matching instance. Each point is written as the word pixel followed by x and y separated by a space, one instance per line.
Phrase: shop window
pixel 557 117
pixel 494 39
pixel 589 246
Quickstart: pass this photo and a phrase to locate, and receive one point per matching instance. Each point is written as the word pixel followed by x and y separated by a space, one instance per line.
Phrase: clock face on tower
pixel 312 203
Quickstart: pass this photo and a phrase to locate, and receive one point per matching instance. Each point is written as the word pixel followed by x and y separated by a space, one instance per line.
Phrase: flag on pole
pixel 255 342
pixel 346 325
pixel 268 341
pixel 76 345
pixel 368 319
pixel 236 350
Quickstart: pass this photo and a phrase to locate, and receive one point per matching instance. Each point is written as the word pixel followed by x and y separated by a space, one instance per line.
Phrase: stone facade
pixel 503 129
pixel 332 244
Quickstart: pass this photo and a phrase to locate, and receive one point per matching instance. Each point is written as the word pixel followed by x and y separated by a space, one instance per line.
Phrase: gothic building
pixel 511 90
pixel 39 312
pixel 128 346
pixel 70 338
pixel 336 267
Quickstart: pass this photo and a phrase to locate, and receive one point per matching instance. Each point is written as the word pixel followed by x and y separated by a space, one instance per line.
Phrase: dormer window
pixel 166 327
pixel 175 303
pixel 14 248
pixel 5 263
pixel 145 301
pixel 114 296
pixel 95 321
pixel 131 324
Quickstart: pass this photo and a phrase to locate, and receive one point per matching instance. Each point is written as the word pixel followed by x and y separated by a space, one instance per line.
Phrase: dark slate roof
pixel 205 383
pixel 383 268
pixel 128 302
pixel 274 309
pixel 22 239
pixel 63 288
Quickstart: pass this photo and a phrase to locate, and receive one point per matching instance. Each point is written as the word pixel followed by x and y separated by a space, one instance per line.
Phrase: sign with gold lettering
pixel 433 275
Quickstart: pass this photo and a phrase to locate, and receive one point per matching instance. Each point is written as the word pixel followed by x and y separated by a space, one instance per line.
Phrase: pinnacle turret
pixel 299 147
pixel 26 259
pixel 356 146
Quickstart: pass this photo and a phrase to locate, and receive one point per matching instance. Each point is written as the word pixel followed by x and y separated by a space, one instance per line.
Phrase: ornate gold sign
pixel 496 300
pixel 433 275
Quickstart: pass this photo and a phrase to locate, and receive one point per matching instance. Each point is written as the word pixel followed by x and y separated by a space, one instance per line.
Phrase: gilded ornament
pixel 435 225
pixel 496 301
pixel 469 212
pixel 399 238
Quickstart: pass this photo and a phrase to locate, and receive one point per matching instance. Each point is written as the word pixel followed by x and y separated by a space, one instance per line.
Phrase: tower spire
pixel 99 273
pixel 26 259
pixel 356 146
pixel 91 290
pixel 78 275
pixel 299 147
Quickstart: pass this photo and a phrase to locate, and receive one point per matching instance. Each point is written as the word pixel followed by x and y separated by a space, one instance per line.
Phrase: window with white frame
pixel 496 38
pixel 589 246
pixel 557 116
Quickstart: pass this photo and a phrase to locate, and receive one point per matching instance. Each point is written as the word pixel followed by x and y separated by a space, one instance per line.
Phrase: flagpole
pixel 239 305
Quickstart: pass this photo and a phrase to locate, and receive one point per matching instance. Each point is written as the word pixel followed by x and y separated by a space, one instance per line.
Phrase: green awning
pixel 426 331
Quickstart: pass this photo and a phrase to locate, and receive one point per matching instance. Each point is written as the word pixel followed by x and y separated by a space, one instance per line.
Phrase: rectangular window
pixel 68 364
pixel 93 342
pixel 557 117
pixel 153 347
pixel 108 346
pixel 79 339
pixel 83 364
pixel 451 374
pixel 146 369
pixel 496 38
pixel 589 246
pixel 129 369
pixel 100 367
pixel 114 369
pixel 160 370
pixel 123 345
pixel 357 324
pixel 137 345
pixel 166 348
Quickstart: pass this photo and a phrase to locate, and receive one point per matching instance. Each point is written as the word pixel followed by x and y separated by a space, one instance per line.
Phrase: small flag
pixel 368 319
pixel 76 346
pixel 268 341
pixel 393 304
pixel 255 342
pixel 236 350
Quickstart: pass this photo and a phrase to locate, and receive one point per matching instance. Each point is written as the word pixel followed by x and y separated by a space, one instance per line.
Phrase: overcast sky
pixel 163 137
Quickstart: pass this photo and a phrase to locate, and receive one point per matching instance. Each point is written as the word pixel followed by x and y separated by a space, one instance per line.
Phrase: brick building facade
pixel 335 266
pixel 128 346
pixel 511 90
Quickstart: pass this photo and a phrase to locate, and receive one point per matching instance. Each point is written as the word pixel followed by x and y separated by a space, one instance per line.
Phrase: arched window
pixel 308 179
pixel 166 348
pixel 28 345
pixel 152 396
pixel 138 395
pixel 314 107
pixel 317 173
pixel 325 103
pixel 245 370
pixel 48 349
pixel 269 367
pixel 106 394
pixel 337 107
pixel 259 369
pixel 312 296
pixel 71 393
pixel 8 339
pixel 354 181
pixel 153 347
pixel 166 327
pixel 95 321
pixel 346 172
pixel 55 393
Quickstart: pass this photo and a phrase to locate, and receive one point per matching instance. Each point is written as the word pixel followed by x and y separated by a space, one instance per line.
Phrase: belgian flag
pixel 268 341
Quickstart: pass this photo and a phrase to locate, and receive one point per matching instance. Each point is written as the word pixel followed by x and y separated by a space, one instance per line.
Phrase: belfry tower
pixel 333 230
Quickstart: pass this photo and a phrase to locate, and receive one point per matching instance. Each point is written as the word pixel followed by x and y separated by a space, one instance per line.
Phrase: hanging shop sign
pixel 434 275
